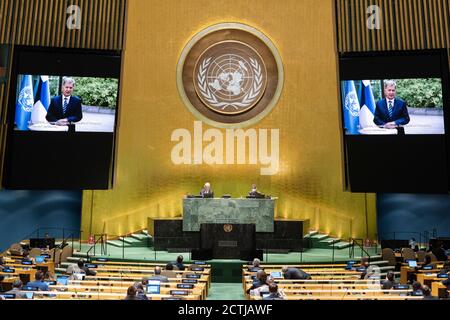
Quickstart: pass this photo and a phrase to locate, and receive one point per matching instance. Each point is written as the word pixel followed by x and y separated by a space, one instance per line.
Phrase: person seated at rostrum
pixel 158 276
pixel 390 282
pixel 38 282
pixel 294 273
pixel 274 293
pixel 255 193
pixel 206 191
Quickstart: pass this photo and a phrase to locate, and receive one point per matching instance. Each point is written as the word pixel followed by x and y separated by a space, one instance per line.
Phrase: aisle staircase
pixel 325 241
pixel 141 239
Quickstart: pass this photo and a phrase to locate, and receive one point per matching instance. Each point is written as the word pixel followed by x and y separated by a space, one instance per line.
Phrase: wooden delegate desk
pixel 405 271
pixel 228 211
pixel 436 286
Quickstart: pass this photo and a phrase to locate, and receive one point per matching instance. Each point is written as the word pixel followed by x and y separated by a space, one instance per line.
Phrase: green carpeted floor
pixel 310 256
pixel 226 291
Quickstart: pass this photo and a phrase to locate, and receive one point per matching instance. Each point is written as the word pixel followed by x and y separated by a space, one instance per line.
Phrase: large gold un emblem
pixel 227 228
pixel 230 75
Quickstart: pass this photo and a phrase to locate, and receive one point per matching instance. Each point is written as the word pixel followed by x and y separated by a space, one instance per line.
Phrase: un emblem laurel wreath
pixel 246 101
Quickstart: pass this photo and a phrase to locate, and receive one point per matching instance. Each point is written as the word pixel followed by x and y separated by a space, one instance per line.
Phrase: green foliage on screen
pixel 101 92
pixel 420 93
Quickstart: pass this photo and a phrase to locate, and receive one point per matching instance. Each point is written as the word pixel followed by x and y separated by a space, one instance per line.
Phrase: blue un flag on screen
pixel 24 104
pixel 367 101
pixel 351 108
pixel 42 101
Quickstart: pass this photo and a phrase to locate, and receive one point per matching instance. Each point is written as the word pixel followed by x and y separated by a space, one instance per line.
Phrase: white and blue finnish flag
pixel 366 114
pixel 42 101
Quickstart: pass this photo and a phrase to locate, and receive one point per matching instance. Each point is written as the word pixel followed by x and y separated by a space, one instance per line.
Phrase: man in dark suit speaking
pixel 65 109
pixel 391 112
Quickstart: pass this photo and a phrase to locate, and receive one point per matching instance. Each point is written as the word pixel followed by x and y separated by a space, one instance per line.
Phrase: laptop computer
pixel 412 263
pixel 276 274
pixel 29 295
pixel 153 287
pixel 63 280
pixel 39 259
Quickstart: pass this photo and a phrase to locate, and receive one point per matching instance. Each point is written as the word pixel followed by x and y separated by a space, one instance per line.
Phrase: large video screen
pixel 395 116
pixel 62 118
pixel 393 106
pixel 63 103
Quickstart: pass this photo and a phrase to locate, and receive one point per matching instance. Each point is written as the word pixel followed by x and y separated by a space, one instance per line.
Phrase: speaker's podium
pixel 227 241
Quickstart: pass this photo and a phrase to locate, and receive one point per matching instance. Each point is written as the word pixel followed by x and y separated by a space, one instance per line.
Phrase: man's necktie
pixel 65 106
pixel 390 109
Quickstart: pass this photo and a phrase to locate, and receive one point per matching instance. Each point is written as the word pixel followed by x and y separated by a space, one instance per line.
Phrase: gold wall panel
pixel 405 25
pixel 43 23
pixel 309 182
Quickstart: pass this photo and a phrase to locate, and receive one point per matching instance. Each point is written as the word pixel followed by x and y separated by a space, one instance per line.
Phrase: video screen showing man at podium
pixel 393 107
pixel 56 103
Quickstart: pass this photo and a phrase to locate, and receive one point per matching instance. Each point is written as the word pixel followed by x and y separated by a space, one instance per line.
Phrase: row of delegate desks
pixel 198 287
pixel 89 295
pixel 329 282
pixel 405 271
